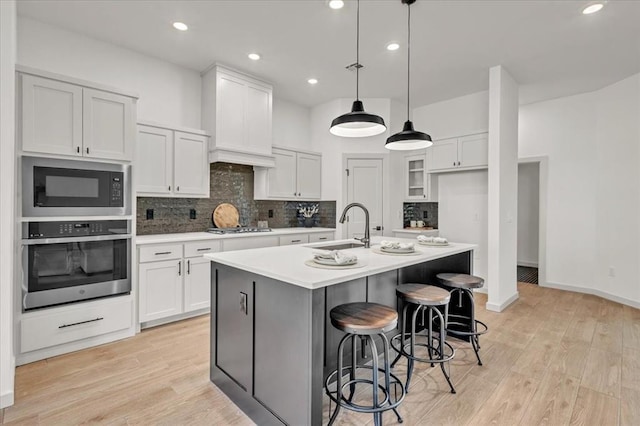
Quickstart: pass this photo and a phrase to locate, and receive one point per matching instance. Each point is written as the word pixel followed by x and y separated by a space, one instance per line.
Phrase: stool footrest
pixel 483 327
pixel 449 351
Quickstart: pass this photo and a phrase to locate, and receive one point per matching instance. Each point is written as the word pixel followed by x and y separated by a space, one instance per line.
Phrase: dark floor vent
pixel 527 275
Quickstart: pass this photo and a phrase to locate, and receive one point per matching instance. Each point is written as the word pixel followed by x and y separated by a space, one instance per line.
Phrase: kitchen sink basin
pixel 341 246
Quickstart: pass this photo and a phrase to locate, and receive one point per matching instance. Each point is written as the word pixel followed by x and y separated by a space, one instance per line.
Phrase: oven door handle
pixel 37 241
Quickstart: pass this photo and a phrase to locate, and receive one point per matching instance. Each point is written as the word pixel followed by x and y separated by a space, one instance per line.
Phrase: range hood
pixel 234 156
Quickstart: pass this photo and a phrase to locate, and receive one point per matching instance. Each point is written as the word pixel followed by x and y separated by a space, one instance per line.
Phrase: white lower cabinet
pixel 175 286
pixel 51 327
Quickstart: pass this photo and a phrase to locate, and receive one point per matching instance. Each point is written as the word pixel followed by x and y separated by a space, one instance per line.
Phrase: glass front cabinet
pixel 419 184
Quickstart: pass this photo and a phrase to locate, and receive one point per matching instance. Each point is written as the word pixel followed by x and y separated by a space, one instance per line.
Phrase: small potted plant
pixel 307 213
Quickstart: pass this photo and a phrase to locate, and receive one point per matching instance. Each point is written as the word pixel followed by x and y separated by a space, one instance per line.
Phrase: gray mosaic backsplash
pixel 229 183
pixel 420 211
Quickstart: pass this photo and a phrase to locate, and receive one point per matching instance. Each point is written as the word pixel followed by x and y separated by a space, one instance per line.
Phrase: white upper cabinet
pixel 68 119
pixel 296 176
pixel 51 116
pixel 171 163
pixel 465 152
pixel 237 111
pixel 419 184
pixel 191 172
pixel 108 125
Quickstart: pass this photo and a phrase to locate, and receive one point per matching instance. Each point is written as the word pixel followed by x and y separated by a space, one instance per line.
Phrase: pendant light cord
pixel 358 51
pixel 408 58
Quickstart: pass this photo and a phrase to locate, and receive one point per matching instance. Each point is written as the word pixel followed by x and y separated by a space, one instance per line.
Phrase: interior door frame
pixel 386 207
pixel 543 179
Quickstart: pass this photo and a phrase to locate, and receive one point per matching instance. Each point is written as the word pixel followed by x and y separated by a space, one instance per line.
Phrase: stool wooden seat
pixel 425 299
pixel 464 326
pixel 364 318
pixel 460 280
pixel 421 294
pixel 367 322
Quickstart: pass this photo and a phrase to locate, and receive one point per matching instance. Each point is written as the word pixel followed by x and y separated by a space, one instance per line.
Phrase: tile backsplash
pixel 229 183
pixel 428 212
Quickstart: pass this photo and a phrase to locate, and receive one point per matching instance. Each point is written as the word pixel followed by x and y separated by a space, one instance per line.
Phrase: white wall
pixel 454 117
pixel 7 193
pixel 169 94
pixel 528 213
pixel 593 214
pixel 291 125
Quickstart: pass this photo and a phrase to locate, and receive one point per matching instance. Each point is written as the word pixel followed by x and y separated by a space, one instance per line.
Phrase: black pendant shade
pixel 408 139
pixel 357 123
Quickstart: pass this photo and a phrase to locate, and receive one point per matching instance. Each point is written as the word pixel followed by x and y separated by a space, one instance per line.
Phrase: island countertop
pixel 287 263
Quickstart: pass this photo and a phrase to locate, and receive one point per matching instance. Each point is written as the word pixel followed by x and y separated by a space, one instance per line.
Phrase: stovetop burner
pixel 238 230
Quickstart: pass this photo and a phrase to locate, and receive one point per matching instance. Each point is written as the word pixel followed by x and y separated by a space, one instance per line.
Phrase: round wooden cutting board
pixel 226 216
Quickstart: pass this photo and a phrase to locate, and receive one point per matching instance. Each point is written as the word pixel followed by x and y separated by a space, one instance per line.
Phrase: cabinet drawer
pixel 321 236
pixel 249 243
pixel 294 239
pixel 160 252
pixel 64 325
pixel 201 247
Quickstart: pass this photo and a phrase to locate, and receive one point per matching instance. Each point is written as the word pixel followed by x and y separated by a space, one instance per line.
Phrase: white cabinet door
pixel 258 119
pixel 107 125
pixel 444 155
pixel 309 171
pixel 230 112
pixel 197 284
pixel 154 160
pixel 51 116
pixel 473 150
pixel 282 177
pixel 160 289
pixel 191 166
pixel 416 177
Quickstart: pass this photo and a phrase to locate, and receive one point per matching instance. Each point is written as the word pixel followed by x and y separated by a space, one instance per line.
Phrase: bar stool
pixel 365 320
pixel 462 325
pixel 428 298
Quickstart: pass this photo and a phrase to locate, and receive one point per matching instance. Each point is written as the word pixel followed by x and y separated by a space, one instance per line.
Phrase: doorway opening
pixel 529 209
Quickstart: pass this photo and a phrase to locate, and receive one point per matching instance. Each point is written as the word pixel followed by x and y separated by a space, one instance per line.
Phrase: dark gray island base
pixel 272 343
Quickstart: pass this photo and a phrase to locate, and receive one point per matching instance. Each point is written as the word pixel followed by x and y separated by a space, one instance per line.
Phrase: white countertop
pixel 203 236
pixel 286 263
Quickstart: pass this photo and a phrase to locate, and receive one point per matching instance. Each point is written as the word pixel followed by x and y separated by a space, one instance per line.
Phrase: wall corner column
pixel 503 189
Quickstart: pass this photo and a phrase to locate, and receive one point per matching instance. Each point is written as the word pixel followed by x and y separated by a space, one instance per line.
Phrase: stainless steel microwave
pixel 54 187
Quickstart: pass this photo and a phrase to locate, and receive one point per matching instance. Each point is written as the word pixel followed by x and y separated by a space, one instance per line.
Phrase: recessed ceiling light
pixel 254 56
pixel 336 4
pixel 393 46
pixel 313 81
pixel 592 8
pixel 180 26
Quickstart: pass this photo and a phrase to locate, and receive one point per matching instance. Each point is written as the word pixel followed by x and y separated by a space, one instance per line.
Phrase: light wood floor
pixel 554 358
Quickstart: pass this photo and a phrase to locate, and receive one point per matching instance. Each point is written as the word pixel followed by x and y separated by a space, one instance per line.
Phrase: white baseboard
pixel 6 399
pixel 527 263
pixel 593 291
pixel 502 306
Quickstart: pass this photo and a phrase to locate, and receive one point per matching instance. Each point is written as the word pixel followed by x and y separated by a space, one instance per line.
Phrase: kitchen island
pixel 272 343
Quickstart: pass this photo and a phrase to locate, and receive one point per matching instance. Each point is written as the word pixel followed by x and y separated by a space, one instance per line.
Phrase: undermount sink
pixel 341 246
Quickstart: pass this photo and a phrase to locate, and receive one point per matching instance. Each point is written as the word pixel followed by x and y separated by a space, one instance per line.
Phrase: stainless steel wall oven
pixel 70 261
pixel 54 187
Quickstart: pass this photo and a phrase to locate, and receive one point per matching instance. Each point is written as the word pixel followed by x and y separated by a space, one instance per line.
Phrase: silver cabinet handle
pixel 188 267
pixel 204 249
pixel 87 150
pixel 169 187
pixel 78 149
pixel 81 322
pixel 161 253
pixel 295 241
pixel 179 268
pixel 458 163
pixel 454 163
pixel 322 238
pixel 177 188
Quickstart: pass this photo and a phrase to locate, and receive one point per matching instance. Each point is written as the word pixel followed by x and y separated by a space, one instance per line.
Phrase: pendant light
pixel 408 138
pixel 358 123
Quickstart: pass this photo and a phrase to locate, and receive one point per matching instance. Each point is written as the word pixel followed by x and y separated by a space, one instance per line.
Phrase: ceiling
pixel 549 47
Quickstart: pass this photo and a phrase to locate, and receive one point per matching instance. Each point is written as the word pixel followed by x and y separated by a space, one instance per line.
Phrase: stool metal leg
pixel 430 332
pixel 443 334
pixel 339 379
pixel 387 375
pixel 403 322
pixel 377 417
pixel 352 375
pixel 474 338
pixel 412 345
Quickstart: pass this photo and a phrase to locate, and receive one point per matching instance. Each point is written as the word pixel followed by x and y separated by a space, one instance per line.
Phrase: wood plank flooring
pixel 552 358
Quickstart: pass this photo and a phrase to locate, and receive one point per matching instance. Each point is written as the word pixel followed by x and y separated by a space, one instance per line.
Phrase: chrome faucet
pixel 366 240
